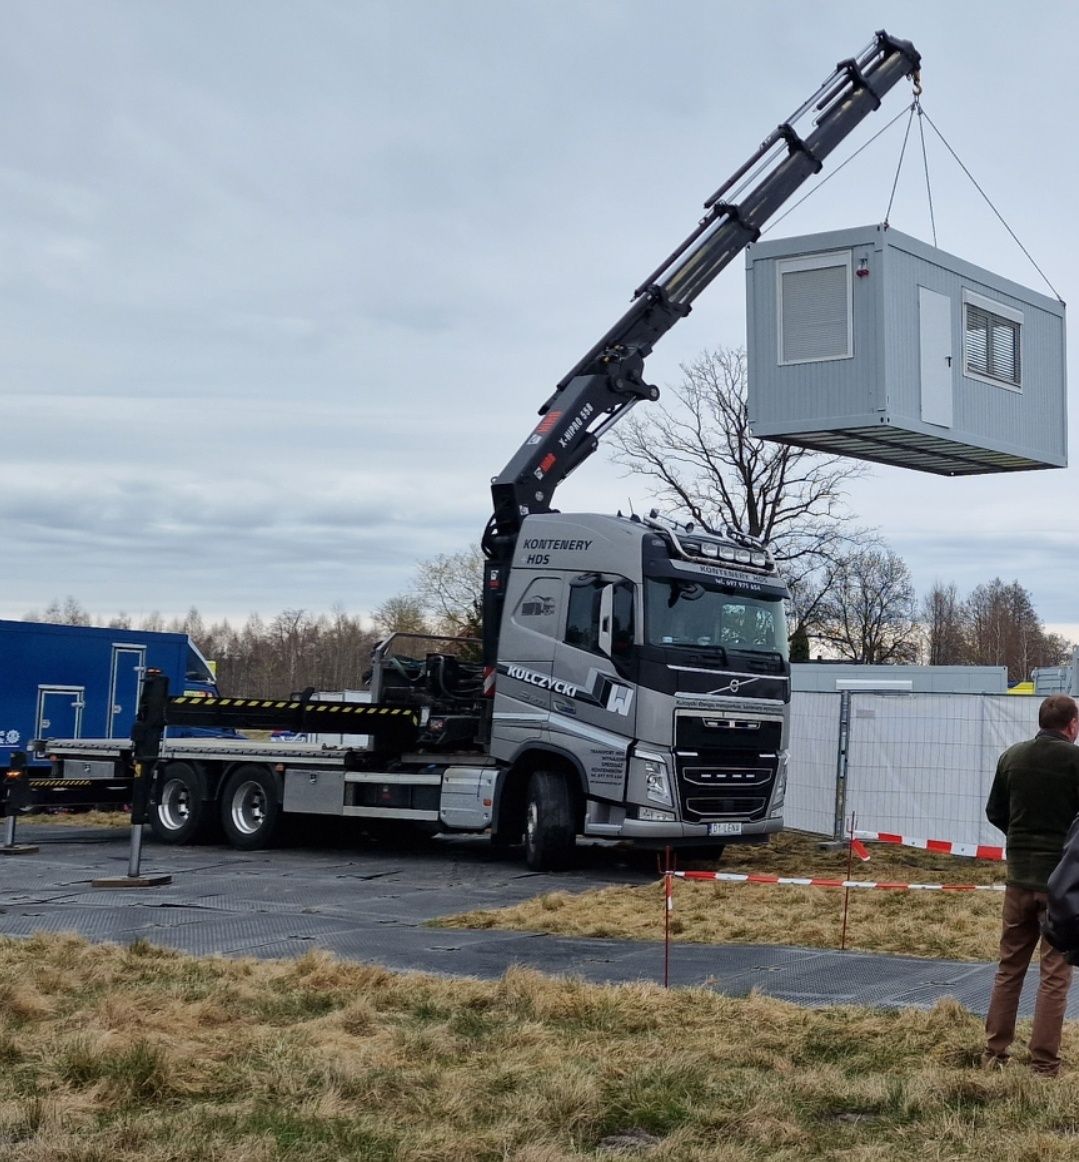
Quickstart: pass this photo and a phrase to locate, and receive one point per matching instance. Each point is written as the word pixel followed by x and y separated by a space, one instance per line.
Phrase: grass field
pixel 112 1055
pixel 959 926
pixel 79 819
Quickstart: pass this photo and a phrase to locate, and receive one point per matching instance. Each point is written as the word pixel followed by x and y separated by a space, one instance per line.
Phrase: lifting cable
pixel 775 222
pixel 989 203
pixel 925 166
pixel 899 166
pixel 916 107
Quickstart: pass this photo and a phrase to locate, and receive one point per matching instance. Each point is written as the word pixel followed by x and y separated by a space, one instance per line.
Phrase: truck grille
pixel 726 766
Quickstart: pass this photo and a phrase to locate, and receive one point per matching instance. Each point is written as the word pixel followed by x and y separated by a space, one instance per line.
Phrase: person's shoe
pixel 1045 1070
pixel 994 1061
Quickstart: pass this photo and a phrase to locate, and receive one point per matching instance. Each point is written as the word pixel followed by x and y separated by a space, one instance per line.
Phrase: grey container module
pixel 869 343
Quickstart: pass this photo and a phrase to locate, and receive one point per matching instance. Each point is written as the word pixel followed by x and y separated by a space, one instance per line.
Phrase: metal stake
pixel 846 886
pixel 841 765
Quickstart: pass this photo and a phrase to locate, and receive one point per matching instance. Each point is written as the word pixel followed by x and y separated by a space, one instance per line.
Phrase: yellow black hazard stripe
pixel 60 782
pixel 353 710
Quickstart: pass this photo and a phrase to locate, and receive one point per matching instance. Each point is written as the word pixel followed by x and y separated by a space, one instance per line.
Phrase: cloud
pixel 280 293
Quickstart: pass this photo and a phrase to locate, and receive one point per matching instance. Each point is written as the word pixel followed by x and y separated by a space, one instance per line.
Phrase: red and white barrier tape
pixel 818 882
pixel 943 846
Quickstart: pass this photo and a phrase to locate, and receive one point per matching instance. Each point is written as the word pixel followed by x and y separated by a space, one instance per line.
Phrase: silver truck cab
pixel 647 664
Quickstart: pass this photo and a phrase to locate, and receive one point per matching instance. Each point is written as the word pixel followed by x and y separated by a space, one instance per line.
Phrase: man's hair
pixel 1057 711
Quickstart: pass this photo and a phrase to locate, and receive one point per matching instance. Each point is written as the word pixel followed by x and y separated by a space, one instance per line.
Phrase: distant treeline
pixel 272 658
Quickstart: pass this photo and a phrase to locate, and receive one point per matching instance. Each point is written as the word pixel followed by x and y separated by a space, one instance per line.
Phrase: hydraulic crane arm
pixel 603 385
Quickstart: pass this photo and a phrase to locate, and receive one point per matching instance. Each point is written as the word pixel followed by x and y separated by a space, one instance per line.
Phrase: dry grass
pixel 139 1053
pixel 78 819
pixel 963 926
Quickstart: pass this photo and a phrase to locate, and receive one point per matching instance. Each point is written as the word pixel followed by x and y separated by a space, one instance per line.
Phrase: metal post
pixel 146 736
pixel 846 886
pixel 135 854
pixel 841 766
pixel 668 908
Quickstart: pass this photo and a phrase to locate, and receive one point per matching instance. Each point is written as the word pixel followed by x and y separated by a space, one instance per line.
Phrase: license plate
pixel 724 829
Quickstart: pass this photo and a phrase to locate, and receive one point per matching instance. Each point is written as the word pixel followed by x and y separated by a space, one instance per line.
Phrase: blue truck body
pixel 74 681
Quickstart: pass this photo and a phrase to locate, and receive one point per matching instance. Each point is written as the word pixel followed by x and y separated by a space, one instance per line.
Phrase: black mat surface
pixel 372 904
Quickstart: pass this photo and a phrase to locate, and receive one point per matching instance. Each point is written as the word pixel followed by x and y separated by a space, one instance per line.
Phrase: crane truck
pixel 635 677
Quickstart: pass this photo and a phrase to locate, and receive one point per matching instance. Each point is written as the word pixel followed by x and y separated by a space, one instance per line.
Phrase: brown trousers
pixel 1023 913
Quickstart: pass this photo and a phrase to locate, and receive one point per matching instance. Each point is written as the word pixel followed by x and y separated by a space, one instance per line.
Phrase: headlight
pixel 656 786
pixel 710 550
pixel 760 559
pixel 780 792
pixel 726 554
pixel 742 555
pixel 649 780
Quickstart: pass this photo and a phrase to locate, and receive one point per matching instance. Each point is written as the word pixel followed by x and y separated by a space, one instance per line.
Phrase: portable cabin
pixel 78 681
pixel 869 343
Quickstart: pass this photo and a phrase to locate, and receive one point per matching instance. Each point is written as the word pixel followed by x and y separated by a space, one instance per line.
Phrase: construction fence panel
pixel 811 778
pixel 921 764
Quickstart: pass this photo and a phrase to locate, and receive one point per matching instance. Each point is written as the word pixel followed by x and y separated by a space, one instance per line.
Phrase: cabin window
pixel 992 341
pixel 814 308
pixel 583 615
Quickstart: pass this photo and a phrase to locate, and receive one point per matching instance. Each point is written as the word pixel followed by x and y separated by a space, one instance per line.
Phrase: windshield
pixel 198 668
pixel 688 613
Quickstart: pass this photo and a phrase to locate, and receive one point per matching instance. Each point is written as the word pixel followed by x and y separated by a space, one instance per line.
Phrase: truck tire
pixel 182 814
pixel 550 833
pixel 250 808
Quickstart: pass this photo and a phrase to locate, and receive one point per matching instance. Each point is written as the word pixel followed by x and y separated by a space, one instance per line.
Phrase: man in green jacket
pixel 1035 796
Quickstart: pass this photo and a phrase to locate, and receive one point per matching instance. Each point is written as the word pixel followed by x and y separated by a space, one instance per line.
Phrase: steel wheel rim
pixel 248 807
pixel 174 810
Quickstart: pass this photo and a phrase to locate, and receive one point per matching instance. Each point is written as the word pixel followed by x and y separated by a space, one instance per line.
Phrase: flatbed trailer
pixel 244 787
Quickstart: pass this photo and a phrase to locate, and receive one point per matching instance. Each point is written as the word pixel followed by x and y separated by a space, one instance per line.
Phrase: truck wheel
pixel 250 808
pixel 549 829
pixel 182 814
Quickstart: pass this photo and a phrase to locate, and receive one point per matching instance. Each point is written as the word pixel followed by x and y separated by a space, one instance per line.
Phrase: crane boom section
pixel 603 385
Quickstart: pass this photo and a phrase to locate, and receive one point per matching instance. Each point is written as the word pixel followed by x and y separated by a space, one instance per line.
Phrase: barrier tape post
pixel 846 889
pixel 668 907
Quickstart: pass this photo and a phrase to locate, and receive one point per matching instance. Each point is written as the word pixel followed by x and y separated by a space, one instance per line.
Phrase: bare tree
pixel 1004 630
pixel 294 650
pixel 404 613
pixel 868 614
pixel 450 588
pixel 944 624
pixel 68 612
pixel 703 459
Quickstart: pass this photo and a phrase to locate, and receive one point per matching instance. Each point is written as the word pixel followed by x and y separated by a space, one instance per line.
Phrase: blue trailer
pixel 75 681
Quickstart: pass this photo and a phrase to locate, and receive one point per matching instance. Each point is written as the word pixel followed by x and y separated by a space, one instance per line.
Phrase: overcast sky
pixel 282 285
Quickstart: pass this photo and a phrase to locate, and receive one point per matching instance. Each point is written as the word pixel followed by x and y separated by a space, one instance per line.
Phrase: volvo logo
pixel 733 686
